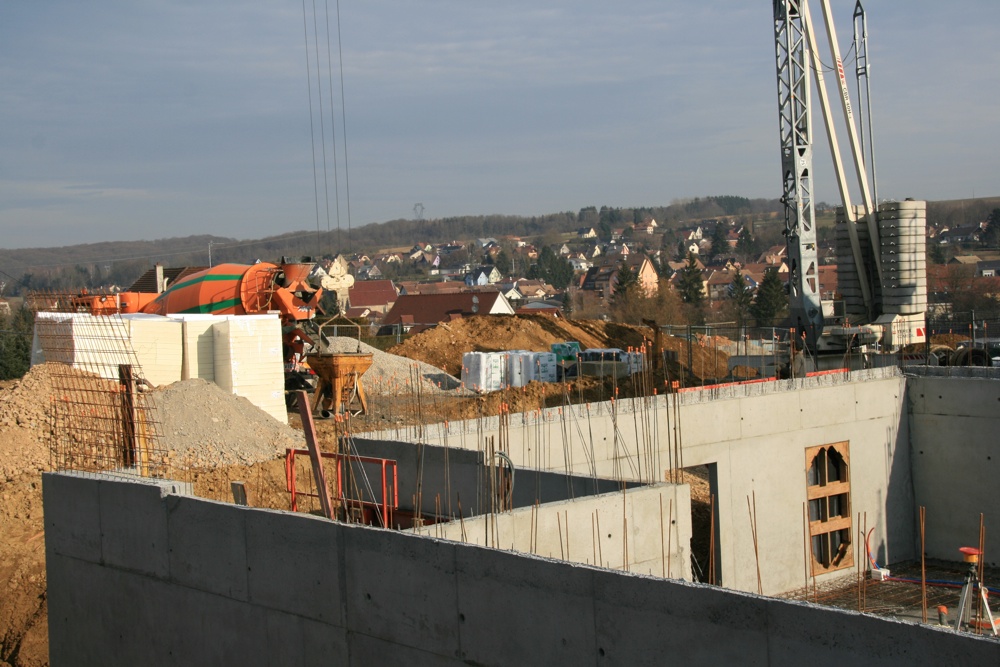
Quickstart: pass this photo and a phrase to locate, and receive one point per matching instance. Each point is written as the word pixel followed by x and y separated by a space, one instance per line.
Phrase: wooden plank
pixel 821 527
pixel 309 428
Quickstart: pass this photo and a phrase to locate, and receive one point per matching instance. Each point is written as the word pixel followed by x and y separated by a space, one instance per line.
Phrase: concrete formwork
pixel 651 525
pixel 755 436
pixel 140 576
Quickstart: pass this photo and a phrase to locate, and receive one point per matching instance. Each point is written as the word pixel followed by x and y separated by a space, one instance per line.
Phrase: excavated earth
pixel 213 438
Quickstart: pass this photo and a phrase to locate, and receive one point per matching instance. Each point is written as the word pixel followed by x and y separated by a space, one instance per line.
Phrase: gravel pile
pixel 203 425
pixel 392 375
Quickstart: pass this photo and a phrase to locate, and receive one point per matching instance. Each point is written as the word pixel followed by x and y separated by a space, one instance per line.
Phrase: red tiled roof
pixel 429 309
pixel 370 293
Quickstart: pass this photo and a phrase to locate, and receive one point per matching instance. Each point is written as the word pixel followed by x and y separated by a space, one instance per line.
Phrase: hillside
pixel 121 262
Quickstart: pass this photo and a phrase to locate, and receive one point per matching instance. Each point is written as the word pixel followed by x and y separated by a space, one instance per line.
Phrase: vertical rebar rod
pixel 923 565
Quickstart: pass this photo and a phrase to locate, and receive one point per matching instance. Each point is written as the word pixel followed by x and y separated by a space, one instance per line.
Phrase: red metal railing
pixel 385 507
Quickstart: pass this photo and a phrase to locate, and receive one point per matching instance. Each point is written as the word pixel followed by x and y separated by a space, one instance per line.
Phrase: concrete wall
pixel 756 436
pixel 651 525
pixel 137 576
pixel 955 433
pixel 461 474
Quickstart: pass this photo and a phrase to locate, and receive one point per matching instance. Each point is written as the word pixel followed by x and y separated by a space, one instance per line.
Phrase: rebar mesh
pixel 101 417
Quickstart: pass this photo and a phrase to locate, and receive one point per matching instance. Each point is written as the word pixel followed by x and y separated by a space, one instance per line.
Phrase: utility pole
pixel 209 254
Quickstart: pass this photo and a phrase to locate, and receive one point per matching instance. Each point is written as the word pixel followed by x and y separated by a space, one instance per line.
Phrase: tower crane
pixel 878 316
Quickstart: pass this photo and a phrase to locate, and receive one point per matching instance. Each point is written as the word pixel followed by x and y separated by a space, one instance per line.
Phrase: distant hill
pixel 95 265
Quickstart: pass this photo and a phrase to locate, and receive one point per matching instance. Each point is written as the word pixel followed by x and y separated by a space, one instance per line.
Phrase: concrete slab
pixel 397 586
pixel 125 506
pixel 284 547
pixel 642 621
pixel 515 610
pixel 208 546
pixel 72 516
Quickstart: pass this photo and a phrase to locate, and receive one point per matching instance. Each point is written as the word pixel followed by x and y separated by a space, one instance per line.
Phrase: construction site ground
pixel 234 440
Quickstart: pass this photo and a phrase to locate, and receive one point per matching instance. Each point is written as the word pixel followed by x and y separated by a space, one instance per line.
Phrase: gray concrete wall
pixel 955 433
pixel 651 525
pixel 139 577
pixel 462 474
pixel 756 435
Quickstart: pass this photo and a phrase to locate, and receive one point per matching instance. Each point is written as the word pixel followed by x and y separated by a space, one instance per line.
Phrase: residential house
pixel 368 272
pixel 774 255
pixel 604 278
pixel 677 266
pixel 418 312
pixel 988 268
pixel 540 308
pixel 719 283
pixel 564 250
pixel 586 233
pixel 647 226
pixel 440 287
pixel 483 275
pixel 579 263
pixel 962 234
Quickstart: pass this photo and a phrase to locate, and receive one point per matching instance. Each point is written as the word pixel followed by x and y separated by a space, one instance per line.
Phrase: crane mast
pixel 795 127
pixel 893 296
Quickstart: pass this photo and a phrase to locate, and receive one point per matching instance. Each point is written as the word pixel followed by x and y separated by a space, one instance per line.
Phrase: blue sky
pixel 147 119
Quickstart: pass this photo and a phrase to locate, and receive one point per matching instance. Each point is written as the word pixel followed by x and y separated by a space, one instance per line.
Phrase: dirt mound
pixel 444 345
pixel 24 454
pixel 24 424
pixel 203 425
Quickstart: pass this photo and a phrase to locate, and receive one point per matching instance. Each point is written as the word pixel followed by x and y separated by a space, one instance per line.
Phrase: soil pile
pixel 444 345
pixel 24 454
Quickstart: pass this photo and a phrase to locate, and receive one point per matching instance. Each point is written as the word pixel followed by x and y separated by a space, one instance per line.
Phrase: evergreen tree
pixel 553 269
pixel 15 344
pixel 746 244
pixel 991 235
pixel 690 284
pixel 502 262
pixel 742 297
pixel 627 282
pixel 720 241
pixel 771 299
pixel 567 304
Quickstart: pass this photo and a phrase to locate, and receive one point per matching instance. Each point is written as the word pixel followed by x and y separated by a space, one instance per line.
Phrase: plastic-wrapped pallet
pixel 248 361
pixel 482 371
pixel 567 351
pixel 520 368
pixel 635 362
pixel 545 367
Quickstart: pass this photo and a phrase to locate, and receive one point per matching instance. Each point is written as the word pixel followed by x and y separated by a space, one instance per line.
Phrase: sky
pixel 148 119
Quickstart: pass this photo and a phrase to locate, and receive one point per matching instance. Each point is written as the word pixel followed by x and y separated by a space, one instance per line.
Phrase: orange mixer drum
pixel 226 289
